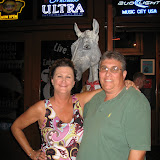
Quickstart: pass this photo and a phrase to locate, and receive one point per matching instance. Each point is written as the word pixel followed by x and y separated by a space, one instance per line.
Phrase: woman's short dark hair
pixel 64 62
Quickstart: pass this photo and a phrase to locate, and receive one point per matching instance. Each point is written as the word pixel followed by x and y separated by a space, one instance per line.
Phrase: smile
pixel 108 80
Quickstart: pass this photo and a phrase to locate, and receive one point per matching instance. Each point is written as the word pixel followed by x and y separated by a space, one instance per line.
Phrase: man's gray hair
pixel 114 55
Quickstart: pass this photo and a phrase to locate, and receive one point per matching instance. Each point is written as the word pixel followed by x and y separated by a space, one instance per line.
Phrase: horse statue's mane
pixel 86 54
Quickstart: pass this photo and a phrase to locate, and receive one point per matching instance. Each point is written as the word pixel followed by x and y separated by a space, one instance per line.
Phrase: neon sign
pixel 9 9
pixel 62 1
pixel 58 8
pixel 139 11
pixel 138 7
pixel 139 3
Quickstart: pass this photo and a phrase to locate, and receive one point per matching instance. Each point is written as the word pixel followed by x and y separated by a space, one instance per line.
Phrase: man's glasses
pixel 113 69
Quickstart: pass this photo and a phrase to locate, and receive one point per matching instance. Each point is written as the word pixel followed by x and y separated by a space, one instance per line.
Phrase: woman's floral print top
pixel 62 140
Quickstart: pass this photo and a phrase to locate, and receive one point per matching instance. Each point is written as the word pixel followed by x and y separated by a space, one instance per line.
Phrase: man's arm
pixel 136 155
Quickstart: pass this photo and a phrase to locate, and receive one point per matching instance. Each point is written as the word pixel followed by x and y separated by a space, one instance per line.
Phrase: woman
pixel 60 118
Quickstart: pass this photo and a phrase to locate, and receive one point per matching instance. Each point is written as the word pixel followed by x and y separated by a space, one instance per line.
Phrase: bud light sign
pixel 137 8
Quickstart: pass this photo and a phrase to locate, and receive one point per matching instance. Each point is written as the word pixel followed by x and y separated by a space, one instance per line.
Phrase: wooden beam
pixel 110 28
pixel 157 138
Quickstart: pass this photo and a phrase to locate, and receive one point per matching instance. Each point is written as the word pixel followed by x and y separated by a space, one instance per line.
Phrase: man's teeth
pixel 108 80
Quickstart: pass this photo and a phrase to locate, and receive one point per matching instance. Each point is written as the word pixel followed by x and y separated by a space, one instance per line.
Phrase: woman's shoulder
pixel 39 106
pixel 40 103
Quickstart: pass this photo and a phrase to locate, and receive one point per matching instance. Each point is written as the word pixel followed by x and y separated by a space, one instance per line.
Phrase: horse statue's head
pixel 85 52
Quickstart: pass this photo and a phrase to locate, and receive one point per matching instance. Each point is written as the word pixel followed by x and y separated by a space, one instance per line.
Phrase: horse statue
pixel 86 54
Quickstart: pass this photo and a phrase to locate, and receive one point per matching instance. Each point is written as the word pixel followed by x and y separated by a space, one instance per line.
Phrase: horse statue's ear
pixel 78 32
pixel 95 26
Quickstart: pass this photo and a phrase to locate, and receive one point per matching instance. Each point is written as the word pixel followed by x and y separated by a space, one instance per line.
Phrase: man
pixel 139 79
pixel 117 121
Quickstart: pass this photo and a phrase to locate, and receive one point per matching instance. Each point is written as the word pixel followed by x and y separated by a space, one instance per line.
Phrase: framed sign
pixel 16 10
pixel 51 51
pixel 11 81
pixel 148 83
pixel 148 66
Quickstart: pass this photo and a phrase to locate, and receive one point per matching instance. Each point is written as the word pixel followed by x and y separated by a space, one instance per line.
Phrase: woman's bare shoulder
pixel 39 106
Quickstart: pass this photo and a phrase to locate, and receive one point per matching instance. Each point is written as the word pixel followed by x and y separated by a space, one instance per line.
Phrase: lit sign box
pixel 9 9
pixel 61 8
pixel 137 8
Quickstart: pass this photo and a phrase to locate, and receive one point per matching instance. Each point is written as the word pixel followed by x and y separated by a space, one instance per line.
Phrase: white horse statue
pixel 86 55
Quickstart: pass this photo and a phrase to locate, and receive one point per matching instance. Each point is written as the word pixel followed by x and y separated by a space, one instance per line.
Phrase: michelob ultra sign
pixel 9 9
pixel 61 8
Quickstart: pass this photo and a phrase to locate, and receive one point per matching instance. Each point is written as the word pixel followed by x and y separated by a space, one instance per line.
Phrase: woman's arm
pixel 85 97
pixel 129 83
pixel 33 114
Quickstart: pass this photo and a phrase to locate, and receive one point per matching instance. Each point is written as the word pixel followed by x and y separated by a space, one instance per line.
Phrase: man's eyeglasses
pixel 113 69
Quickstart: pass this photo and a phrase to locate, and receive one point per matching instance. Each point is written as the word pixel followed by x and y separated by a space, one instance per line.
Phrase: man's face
pixel 142 82
pixel 112 82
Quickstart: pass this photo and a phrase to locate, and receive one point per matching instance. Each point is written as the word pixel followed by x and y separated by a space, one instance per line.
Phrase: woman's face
pixel 63 80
